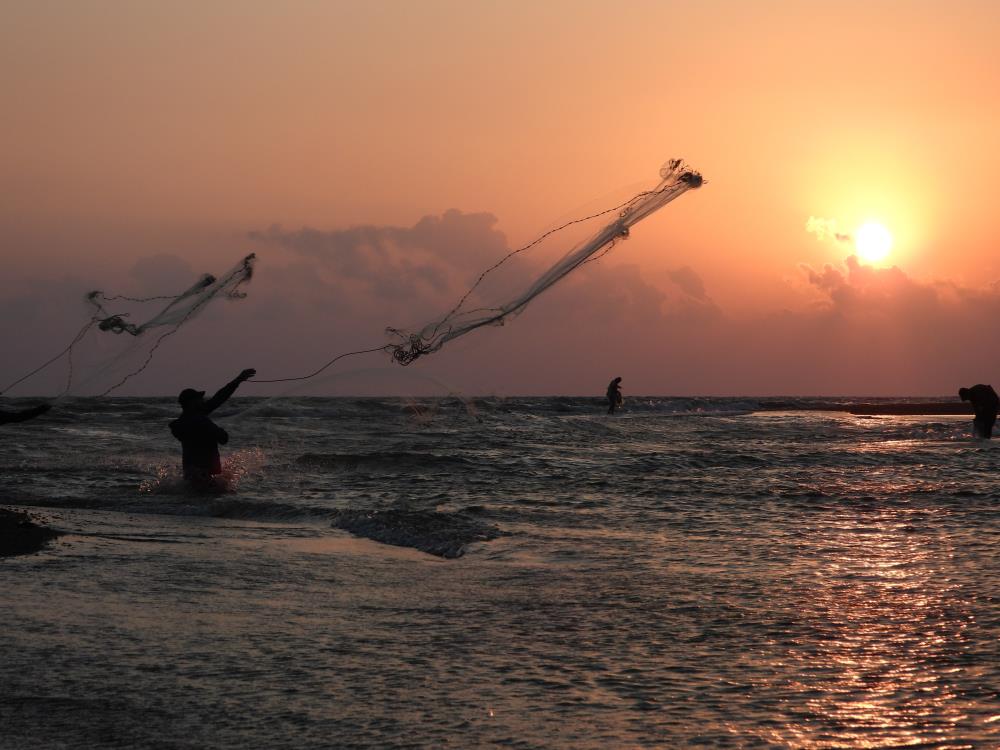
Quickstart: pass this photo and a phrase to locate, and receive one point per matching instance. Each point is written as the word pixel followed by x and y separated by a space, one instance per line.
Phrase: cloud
pixel 434 257
pixel 603 309
pixel 689 281
pixel 849 329
pixel 826 229
pixel 859 289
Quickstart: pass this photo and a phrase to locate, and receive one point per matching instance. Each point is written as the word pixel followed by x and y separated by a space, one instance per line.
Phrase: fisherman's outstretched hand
pixel 246 374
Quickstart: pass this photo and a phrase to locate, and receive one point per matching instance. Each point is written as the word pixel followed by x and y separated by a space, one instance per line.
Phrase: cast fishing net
pixel 676 178
pixel 149 332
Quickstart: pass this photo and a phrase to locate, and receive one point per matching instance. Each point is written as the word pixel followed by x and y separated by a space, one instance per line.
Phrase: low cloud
pixel 857 329
pixel 826 229
pixel 690 282
pixel 434 257
pixel 856 289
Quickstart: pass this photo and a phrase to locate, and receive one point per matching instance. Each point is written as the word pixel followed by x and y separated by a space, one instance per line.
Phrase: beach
pixel 690 572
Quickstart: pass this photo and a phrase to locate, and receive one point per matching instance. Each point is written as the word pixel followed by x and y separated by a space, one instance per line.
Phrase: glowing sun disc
pixel 873 242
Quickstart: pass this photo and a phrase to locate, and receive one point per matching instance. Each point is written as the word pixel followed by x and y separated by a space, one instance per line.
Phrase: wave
pixel 435 532
pixel 439 533
pixel 404 410
pixel 389 460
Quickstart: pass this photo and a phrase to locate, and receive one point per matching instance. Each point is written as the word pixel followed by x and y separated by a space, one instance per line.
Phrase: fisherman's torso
pixel 984 400
pixel 200 438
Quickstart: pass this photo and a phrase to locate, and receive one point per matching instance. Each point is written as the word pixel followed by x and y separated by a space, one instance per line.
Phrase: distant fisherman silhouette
pixel 984 403
pixel 200 437
pixel 614 395
pixel 9 417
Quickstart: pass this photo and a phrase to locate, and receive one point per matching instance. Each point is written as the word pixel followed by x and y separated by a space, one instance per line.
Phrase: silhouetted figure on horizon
pixel 9 417
pixel 984 403
pixel 614 395
pixel 200 437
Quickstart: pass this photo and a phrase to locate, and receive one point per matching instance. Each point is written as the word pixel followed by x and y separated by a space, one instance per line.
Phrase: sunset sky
pixel 143 143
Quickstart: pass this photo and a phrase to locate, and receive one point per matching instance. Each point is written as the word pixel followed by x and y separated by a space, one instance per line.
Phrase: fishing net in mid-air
pixel 111 372
pixel 676 179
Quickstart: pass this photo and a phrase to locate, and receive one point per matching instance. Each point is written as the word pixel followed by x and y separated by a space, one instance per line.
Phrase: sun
pixel 873 242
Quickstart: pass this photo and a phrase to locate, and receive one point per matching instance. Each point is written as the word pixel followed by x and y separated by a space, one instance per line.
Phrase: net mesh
pixel 676 179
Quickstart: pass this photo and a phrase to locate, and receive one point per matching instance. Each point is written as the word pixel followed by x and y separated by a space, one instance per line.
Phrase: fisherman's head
pixel 191 399
pixel 617 380
pixel 964 393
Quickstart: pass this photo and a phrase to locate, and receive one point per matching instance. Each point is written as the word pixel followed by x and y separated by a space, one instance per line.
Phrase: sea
pixel 504 572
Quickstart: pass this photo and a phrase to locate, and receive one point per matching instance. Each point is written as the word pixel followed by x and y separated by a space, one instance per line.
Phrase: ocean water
pixel 688 573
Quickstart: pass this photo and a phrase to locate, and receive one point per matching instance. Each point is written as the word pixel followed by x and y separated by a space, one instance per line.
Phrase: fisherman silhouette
pixel 614 395
pixel 984 403
pixel 200 437
pixel 9 417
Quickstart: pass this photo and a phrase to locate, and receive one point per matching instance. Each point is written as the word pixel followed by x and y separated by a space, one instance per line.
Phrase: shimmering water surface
pixel 687 573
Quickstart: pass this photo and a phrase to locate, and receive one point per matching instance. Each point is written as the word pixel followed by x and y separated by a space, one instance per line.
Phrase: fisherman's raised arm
pixel 223 394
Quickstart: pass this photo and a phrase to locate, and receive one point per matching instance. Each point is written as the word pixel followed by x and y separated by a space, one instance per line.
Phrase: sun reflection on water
pixel 880 633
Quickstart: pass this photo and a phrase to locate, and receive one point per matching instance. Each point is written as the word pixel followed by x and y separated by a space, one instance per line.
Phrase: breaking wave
pixel 434 532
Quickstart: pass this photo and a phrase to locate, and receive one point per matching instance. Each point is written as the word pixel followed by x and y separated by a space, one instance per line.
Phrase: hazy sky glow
pixel 378 155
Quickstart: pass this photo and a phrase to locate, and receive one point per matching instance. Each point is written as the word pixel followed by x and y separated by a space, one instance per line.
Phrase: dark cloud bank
pixel 317 293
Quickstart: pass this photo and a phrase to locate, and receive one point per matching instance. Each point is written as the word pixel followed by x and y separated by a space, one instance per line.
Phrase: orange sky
pixel 137 129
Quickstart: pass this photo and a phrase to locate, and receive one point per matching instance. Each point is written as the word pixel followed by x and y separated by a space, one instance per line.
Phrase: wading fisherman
pixel 200 437
pixel 614 395
pixel 984 403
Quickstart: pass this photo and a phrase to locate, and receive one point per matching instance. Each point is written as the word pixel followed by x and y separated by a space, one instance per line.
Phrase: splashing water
pixel 240 465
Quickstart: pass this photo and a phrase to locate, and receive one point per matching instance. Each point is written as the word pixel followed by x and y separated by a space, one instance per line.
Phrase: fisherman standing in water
pixel 614 395
pixel 984 403
pixel 200 437
pixel 9 417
